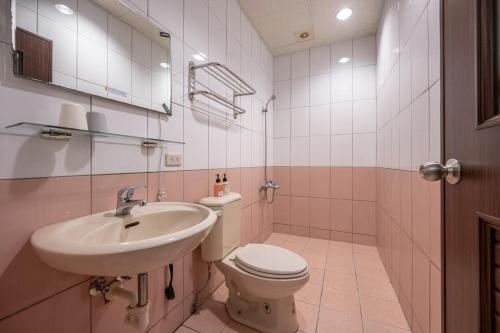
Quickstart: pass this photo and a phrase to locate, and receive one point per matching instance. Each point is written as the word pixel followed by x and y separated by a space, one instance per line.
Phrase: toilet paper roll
pixel 97 122
pixel 73 116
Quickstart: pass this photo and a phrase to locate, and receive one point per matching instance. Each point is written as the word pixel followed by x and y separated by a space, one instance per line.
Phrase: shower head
pixel 272 98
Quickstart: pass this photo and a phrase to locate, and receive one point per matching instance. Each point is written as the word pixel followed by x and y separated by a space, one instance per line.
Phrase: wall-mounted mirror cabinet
pixel 104 48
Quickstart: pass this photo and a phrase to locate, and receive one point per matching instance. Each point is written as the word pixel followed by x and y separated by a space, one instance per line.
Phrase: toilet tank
pixel 225 235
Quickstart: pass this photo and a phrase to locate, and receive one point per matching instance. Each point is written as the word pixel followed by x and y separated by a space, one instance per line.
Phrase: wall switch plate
pixel 172 160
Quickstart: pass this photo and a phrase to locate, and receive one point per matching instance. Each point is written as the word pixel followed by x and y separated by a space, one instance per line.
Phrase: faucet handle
pixel 127 192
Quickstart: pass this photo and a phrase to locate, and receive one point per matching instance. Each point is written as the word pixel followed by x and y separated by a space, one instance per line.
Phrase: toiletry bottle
pixel 218 187
pixel 225 183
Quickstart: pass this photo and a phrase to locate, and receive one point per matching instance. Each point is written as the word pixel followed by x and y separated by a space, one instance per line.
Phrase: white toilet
pixel 261 279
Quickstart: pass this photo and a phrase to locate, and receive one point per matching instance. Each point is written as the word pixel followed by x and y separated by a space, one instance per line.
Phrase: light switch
pixel 173 160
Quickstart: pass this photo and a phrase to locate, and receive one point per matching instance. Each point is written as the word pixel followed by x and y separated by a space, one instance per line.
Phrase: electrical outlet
pixel 173 160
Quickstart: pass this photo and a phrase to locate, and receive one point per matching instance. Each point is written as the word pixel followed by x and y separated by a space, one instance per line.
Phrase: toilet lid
pixel 270 262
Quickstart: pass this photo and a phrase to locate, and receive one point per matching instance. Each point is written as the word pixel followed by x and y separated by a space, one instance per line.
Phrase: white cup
pixel 73 116
pixel 97 121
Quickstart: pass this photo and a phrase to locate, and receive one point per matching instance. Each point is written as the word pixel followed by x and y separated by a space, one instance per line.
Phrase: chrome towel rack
pixel 226 77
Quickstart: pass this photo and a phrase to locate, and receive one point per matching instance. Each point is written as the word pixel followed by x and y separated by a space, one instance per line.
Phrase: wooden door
pixel 472 135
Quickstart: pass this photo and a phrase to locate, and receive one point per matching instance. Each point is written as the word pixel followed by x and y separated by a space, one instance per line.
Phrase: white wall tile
pixel 300 64
pixel 405 149
pixel 420 57
pixel 341 118
pixel 217 143
pixel 420 131
pixel 342 86
pixel 299 151
pixel 320 60
pixel 219 8
pixel 169 14
pixel 234 18
pixel 217 43
pixel 434 41
pixel 364 82
pixel 435 122
pixel 364 51
pixel 300 92
pixel 246 148
pixel 234 146
pixel 341 150
pixel 92 21
pixel 196 139
pixel 364 116
pixel 319 120
pixel 282 123
pixel 299 122
pixel 282 90
pixel 282 67
pixel 320 89
pixel 196 25
pixel 405 78
pixel 281 152
pixel 338 51
pixel 364 150
pixel 319 150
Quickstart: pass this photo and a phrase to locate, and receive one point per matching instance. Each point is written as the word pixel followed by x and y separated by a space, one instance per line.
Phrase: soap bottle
pixel 218 187
pixel 225 183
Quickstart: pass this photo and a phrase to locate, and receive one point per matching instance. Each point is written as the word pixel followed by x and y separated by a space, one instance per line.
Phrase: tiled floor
pixel 348 292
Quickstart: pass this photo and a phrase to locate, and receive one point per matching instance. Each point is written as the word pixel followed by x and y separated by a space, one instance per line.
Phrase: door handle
pixel 433 171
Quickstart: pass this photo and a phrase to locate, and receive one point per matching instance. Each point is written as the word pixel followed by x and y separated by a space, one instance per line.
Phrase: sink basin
pixel 107 245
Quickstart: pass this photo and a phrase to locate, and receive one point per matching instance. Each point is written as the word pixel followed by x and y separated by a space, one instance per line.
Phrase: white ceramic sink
pixel 107 245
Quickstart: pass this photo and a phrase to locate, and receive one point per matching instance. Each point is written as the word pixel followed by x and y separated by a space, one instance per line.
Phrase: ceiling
pixel 279 22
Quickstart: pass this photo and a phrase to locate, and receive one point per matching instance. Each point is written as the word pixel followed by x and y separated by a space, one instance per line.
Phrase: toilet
pixel 262 279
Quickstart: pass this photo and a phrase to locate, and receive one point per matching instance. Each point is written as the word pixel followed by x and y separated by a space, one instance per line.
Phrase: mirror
pixel 102 47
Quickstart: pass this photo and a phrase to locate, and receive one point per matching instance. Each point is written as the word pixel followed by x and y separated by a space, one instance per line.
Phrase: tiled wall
pixel 325 141
pixel 408 134
pixel 43 182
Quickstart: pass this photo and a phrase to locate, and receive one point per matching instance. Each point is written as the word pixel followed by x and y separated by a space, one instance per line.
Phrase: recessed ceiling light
pixel 64 9
pixel 344 14
pixel 304 35
pixel 164 65
pixel 344 60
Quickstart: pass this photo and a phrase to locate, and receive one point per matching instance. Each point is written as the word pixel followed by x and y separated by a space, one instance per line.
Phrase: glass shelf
pixel 52 132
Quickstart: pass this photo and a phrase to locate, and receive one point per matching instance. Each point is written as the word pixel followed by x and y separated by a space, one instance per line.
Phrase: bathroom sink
pixel 107 245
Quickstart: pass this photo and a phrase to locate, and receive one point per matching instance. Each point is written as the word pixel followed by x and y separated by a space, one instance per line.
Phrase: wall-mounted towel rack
pixel 226 77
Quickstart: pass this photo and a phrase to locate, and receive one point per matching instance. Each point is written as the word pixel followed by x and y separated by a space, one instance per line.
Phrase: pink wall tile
pixel 405 201
pixel 319 182
pixel 28 205
pixel 420 211
pixel 395 250
pixel 341 182
pixel 421 288
pixel 319 213
pixel 196 185
pixel 299 211
pixel 106 187
pixel 299 231
pixel 246 225
pixel 319 233
pixel 234 178
pixel 435 223
pixel 282 177
pixel 195 271
pixel 395 202
pixel 282 209
pixel 246 186
pixel 340 236
pixel 257 181
pixel 364 180
pixel 341 215
pixel 173 185
pixel 281 228
pixel 169 323
pixel 364 239
pixel 435 300
pixel 257 218
pixel 68 311
pixel 406 266
pixel 364 217
pixel 300 181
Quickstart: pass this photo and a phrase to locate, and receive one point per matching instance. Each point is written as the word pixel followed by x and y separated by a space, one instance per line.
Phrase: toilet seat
pixel 270 262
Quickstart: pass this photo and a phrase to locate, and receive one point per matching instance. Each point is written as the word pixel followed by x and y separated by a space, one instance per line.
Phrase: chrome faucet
pixel 124 202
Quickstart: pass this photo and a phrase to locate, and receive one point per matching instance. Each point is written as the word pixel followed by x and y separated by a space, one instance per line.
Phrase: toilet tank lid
pixel 220 201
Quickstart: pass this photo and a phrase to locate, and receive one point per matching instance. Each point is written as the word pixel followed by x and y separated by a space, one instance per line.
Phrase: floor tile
pixel 234 327
pixel 374 327
pixel 377 287
pixel 340 300
pixel 382 311
pixel 212 318
pixel 337 280
pixel 184 329
pixel 316 275
pixel 220 294
pixel 333 321
pixel 310 293
pixel 307 315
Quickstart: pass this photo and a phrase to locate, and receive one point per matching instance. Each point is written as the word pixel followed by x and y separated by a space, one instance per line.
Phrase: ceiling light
pixel 64 9
pixel 164 65
pixel 304 35
pixel 344 60
pixel 344 14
